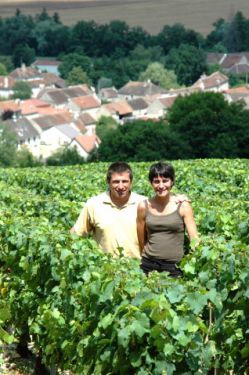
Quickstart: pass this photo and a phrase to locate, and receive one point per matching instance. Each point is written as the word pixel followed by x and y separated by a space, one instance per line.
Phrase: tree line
pixel 116 51
pixel 200 125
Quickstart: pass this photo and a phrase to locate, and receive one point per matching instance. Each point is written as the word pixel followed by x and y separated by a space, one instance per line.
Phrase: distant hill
pixel 152 15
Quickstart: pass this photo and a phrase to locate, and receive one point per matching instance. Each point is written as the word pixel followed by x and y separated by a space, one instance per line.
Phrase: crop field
pixel 198 15
pixel 90 313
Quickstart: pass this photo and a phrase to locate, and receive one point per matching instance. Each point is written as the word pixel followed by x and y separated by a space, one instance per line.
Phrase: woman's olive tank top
pixel 165 234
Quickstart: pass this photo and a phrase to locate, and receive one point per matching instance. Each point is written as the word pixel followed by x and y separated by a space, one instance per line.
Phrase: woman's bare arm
pixel 189 221
pixel 141 226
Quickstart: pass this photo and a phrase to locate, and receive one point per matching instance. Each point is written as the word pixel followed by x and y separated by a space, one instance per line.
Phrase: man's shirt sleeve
pixel 83 225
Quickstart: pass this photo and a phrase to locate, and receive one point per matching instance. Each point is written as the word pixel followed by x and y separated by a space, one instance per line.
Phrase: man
pixel 111 216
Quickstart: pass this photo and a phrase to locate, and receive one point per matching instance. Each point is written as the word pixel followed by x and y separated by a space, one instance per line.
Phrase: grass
pixel 152 15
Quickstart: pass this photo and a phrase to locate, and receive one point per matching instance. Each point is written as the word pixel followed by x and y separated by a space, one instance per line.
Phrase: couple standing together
pixel 151 229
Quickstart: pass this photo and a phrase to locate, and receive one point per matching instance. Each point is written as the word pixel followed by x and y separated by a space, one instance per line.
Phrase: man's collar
pixel 107 199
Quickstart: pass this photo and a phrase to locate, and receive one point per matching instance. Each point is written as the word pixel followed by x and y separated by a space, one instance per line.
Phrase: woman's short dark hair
pixel 163 170
pixel 118 167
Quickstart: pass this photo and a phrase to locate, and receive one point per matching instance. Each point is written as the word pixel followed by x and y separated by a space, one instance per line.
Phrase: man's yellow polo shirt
pixel 112 227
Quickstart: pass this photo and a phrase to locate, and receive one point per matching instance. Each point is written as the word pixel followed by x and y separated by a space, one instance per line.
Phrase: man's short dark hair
pixel 118 167
pixel 163 170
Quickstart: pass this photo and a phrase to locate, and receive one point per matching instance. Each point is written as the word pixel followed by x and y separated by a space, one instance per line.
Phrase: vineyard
pixel 93 314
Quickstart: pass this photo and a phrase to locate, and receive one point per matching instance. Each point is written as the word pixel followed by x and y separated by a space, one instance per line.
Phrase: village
pixel 59 116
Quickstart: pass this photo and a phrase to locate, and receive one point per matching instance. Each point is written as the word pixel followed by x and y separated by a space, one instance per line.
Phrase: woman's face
pixel 162 185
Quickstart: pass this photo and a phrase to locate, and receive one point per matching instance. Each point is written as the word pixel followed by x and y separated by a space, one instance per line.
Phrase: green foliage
pixel 23 54
pixel 24 158
pixel 188 62
pixel 90 313
pixel 22 90
pixel 3 70
pixel 211 126
pixel 78 76
pixel 8 144
pixel 159 76
pixel 73 60
pixel 65 156
pixel 105 125
pixel 139 141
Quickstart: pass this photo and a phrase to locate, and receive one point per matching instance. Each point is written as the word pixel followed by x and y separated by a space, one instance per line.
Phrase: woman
pixel 161 222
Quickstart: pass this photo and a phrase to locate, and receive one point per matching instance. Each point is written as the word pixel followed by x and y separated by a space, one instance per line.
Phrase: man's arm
pixel 83 226
pixel 141 230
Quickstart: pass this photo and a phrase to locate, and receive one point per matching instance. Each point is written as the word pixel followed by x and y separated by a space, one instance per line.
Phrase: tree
pixel 22 90
pixel 139 141
pixel 8 145
pixel 73 60
pixel 188 63
pixel 3 70
pixel 24 159
pixel 173 36
pixel 105 125
pixel 65 156
pixel 23 54
pixel 159 76
pixel 209 126
pixel 77 76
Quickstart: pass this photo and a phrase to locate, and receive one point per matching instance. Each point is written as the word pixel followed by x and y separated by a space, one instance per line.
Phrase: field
pixel 198 15
pixel 93 314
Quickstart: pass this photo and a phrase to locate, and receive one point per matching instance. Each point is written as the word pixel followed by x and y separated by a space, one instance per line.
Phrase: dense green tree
pixel 139 141
pixel 23 54
pixel 3 70
pixel 8 145
pixel 105 125
pixel 73 60
pixel 24 159
pixel 65 156
pixel 22 90
pixel 7 62
pixel 210 126
pixel 237 34
pixel 15 31
pixel 78 76
pixel 188 62
pixel 217 35
pixel 50 37
pixel 159 76
pixel 173 36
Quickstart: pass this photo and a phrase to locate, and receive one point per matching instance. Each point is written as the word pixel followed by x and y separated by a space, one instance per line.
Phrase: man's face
pixel 120 186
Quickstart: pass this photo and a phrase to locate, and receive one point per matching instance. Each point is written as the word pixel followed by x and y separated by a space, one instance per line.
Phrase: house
pixel 11 108
pixel 215 82
pixel 230 62
pixel 47 65
pixel 45 122
pixel 56 137
pixel 86 103
pixel 237 93
pixel 27 135
pixel 6 87
pixel 108 94
pixel 159 107
pixel 119 110
pixel 86 123
pixel 139 107
pixel 31 108
pixel 25 73
pixel 59 97
pixel 85 144
pixel 136 89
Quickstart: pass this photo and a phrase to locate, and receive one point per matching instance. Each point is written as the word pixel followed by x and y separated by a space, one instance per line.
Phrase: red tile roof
pixel 86 102
pixel 87 142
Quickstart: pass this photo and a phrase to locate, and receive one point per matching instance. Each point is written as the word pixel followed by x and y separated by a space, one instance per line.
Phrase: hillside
pixel 198 15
